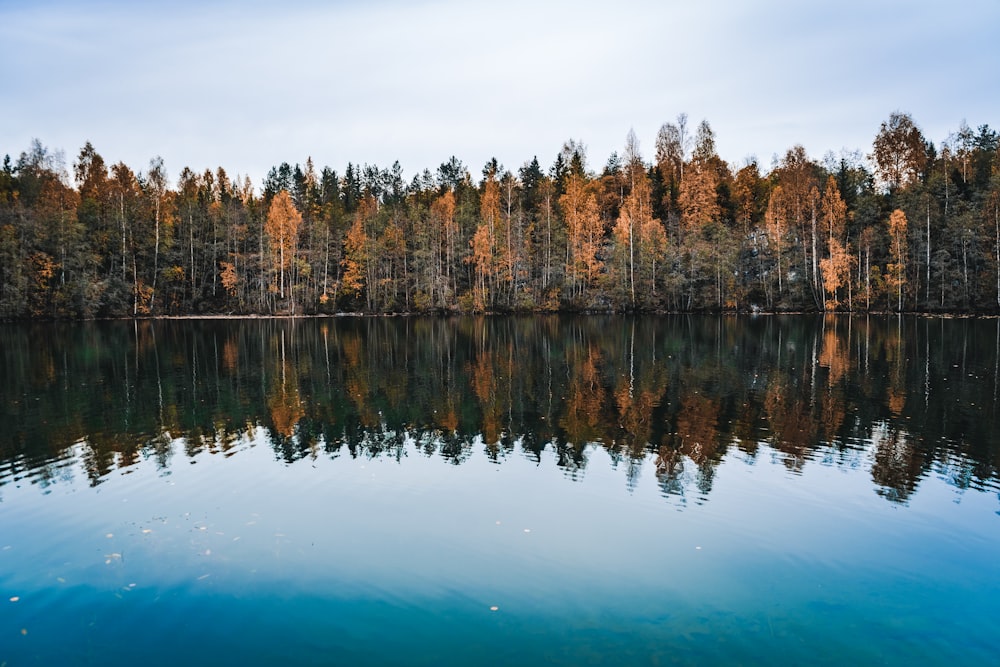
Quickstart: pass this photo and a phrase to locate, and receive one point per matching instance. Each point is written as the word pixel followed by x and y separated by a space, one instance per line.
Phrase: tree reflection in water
pixel 904 397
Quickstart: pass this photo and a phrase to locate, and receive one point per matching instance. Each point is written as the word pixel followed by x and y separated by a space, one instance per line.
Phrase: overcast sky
pixel 247 85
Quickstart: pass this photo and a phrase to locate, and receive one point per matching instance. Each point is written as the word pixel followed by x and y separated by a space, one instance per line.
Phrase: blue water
pixel 239 560
pixel 607 491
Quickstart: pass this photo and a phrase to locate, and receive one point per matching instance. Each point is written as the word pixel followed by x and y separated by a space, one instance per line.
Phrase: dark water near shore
pixel 542 490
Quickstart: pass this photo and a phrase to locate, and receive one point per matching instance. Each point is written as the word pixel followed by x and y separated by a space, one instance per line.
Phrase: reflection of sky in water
pixel 363 542
pixel 275 549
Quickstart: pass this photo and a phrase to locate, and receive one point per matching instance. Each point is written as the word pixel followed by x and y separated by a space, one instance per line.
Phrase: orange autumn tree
pixel 896 269
pixel 836 273
pixel 796 174
pixel 282 230
pixel 708 248
pixel 445 228
pixel 230 279
pixel 776 224
pixel 359 253
pixel 836 267
pixel 585 232
pixel 484 241
pixel 701 229
pixel 481 258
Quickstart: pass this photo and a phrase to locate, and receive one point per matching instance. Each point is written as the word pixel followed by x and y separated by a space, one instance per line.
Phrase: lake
pixel 504 491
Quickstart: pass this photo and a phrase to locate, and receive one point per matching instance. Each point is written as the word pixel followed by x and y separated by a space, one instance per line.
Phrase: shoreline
pixel 354 315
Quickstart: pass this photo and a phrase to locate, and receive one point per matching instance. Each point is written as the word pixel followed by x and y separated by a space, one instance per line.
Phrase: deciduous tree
pixel 896 269
pixel 899 152
pixel 584 232
pixel 282 229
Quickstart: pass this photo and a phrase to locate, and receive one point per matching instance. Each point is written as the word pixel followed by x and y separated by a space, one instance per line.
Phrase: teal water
pixel 500 491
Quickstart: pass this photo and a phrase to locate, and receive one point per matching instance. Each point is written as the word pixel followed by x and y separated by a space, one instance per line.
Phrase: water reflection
pixel 900 397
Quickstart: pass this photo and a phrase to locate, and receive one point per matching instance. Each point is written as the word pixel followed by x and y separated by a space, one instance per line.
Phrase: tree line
pixel 911 226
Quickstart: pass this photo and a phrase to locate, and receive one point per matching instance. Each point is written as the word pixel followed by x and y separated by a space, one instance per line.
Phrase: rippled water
pixel 500 491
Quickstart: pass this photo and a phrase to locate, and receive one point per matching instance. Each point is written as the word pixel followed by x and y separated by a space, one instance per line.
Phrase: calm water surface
pixel 563 491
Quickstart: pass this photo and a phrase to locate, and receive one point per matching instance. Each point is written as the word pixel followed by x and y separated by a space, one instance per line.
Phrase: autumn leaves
pixel 685 231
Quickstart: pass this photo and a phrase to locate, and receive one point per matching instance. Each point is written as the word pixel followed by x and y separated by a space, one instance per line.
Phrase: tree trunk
pixel 121 214
pixel 156 253
pixel 996 221
pixel 191 254
pixel 928 251
pixel 631 261
pixel 281 265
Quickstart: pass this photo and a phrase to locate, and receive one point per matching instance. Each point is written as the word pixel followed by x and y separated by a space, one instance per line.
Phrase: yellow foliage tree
pixel 776 223
pixel 584 231
pixel 482 258
pixel 229 277
pixel 355 257
pixel 896 269
pixel 836 271
pixel 698 200
pixel 446 232
pixel 282 230
pixel 835 268
pixel 490 217
pixel 640 239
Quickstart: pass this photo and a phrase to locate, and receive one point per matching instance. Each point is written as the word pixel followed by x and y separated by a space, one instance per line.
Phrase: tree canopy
pixel 915 227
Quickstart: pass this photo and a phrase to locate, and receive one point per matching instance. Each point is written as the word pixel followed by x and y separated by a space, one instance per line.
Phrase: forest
pixel 912 226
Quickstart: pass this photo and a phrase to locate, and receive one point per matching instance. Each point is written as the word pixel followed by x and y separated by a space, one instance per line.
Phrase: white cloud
pixel 248 86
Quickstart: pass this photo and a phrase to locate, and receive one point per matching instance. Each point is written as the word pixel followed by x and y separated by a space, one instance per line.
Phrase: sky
pixel 248 85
